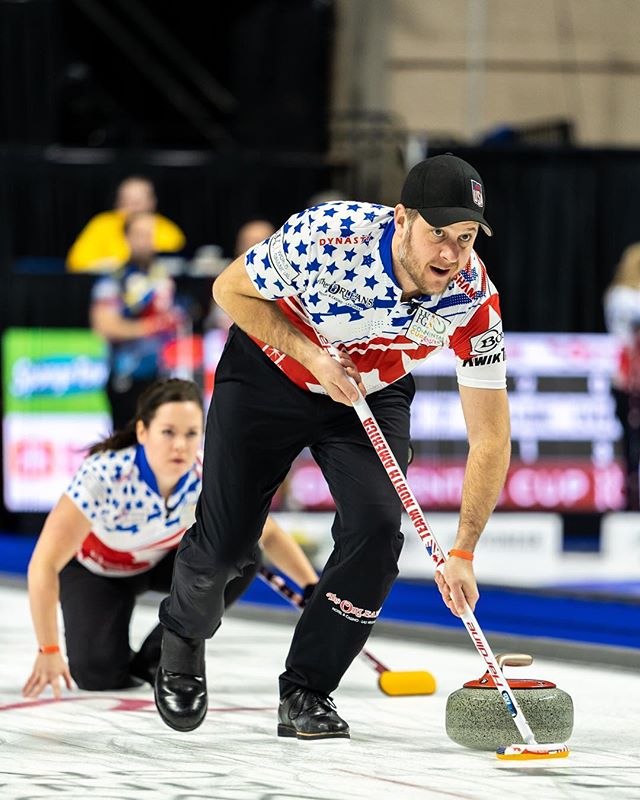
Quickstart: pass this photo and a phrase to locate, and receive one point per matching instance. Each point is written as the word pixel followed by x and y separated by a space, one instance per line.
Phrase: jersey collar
pixel 384 249
pixel 147 475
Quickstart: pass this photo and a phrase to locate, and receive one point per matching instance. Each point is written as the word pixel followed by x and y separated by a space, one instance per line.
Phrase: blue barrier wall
pixel 591 620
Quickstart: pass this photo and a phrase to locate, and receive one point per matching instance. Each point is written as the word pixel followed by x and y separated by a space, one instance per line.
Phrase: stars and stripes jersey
pixel 132 526
pixel 330 268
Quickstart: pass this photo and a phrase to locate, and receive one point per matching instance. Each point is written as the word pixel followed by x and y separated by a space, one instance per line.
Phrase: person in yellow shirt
pixel 102 245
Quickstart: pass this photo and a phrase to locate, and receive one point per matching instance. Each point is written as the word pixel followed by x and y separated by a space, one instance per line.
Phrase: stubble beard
pixel 407 260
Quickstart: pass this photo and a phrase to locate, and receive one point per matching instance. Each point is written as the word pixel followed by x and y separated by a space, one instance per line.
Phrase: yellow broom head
pixel 529 752
pixel 398 684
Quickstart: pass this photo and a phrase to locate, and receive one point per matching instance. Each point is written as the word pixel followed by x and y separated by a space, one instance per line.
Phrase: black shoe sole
pixel 288 732
pixel 175 727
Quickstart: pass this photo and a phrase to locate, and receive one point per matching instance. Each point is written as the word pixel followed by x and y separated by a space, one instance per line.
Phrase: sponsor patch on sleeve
pixel 481 356
pixel 487 341
pixel 279 260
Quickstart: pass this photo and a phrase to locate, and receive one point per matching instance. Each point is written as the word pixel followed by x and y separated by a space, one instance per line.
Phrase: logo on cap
pixel 476 193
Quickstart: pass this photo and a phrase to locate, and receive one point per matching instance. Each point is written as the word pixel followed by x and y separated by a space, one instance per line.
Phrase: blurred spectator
pixel 326 196
pixel 252 232
pixel 622 316
pixel 249 234
pixel 134 310
pixel 102 245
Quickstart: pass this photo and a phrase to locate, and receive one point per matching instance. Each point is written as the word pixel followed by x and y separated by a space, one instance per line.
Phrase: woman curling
pixel 113 535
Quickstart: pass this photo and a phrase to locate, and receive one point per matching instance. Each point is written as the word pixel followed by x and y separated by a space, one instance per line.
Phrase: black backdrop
pixel 561 218
pixel 47 196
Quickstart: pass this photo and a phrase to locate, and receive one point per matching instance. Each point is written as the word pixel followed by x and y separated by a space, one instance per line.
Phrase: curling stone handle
pixel 514 660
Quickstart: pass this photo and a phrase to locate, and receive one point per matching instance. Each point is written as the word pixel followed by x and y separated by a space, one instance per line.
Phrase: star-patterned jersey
pixel 330 268
pixel 132 527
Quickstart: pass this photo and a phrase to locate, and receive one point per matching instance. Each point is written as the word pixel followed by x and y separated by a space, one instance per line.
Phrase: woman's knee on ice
pixel 96 674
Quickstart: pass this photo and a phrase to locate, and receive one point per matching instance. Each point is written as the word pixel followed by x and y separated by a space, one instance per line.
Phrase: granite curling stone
pixel 477 717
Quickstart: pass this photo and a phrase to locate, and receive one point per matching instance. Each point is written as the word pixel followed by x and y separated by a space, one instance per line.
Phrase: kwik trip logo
pixel 57 376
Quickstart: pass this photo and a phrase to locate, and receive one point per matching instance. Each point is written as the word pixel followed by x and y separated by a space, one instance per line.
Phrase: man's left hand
pixel 457 585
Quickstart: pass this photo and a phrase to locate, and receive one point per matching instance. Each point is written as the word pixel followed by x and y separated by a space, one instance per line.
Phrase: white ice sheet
pixel 115 746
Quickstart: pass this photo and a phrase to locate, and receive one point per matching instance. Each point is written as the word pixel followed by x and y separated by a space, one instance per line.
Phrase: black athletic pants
pixel 258 422
pixel 97 611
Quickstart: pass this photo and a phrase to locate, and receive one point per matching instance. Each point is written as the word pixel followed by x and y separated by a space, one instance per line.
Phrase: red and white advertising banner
pixel 42 453
pixel 556 485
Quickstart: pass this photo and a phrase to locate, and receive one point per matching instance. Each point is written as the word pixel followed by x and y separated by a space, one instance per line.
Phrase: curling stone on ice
pixel 477 717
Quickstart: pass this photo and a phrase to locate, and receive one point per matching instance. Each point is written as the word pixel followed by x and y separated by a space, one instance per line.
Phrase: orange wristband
pixel 466 554
pixel 49 649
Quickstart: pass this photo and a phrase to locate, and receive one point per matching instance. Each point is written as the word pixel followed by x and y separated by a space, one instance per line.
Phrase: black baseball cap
pixel 445 189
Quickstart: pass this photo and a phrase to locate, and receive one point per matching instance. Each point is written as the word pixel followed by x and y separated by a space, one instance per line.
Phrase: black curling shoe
pixel 180 684
pixel 307 715
pixel 181 699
